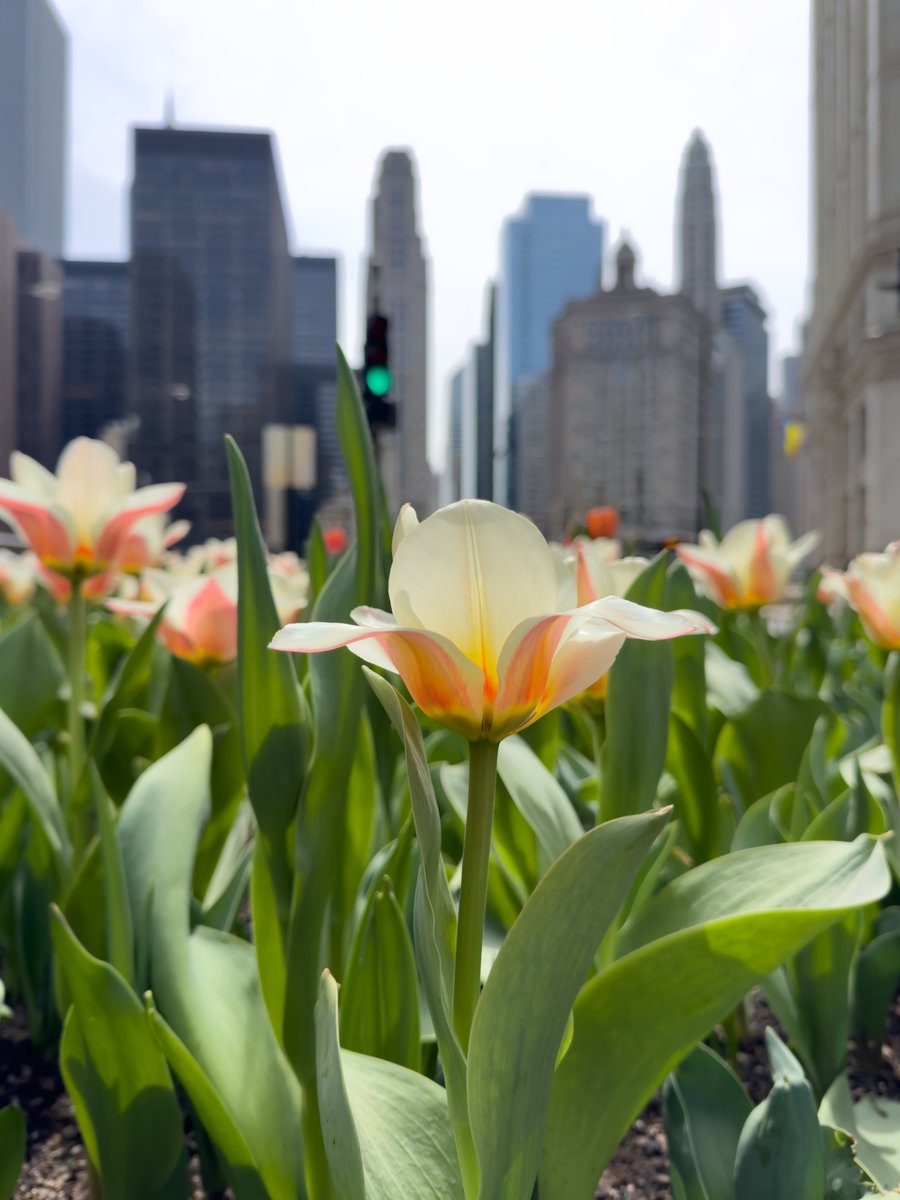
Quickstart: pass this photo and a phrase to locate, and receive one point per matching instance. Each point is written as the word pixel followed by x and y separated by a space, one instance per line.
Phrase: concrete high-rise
pixel 211 309
pixel 34 93
pixel 550 254
pixel 696 248
pixel 397 287
pixel 30 349
pixel 852 348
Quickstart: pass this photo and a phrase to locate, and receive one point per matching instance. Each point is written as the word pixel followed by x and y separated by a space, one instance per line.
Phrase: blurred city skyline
pixel 599 99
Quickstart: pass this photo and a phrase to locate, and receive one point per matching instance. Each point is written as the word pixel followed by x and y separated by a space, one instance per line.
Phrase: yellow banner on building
pixel 794 437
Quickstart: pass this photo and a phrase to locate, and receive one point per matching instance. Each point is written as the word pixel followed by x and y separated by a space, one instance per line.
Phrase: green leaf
pixel 691 954
pixel 539 798
pixel 712 1106
pixel 21 761
pixel 875 976
pixel 781 1152
pixel 697 802
pixel 119 925
pixel 12 1149
pixel 434 919
pixel 117 1077
pixel 637 711
pixel 130 682
pixel 761 749
pixel 730 689
pixel 205 983
pixel 518 1024
pixel 874 1123
pixel 385 1128
pixel 31 674
pixel 380 1001
pixel 810 996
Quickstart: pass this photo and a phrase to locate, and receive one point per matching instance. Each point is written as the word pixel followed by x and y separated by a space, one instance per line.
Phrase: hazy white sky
pixel 496 98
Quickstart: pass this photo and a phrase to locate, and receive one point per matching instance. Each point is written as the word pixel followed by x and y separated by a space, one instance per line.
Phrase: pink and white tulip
pixel 752 564
pixel 77 521
pixel 871 586
pixel 148 541
pixel 18 577
pixel 479 629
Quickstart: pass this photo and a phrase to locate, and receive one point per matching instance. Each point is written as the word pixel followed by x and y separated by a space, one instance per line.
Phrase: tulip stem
pixel 76 683
pixel 473 889
pixel 763 650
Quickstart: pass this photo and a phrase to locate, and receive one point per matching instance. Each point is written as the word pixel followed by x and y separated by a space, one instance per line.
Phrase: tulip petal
pixel 649 624
pixel 210 622
pixel 799 549
pixel 176 532
pixel 30 475
pixel 709 568
pixel 441 680
pixel 88 484
pixel 44 529
pixel 407 520
pixel 472 572
pixel 764 582
pixel 157 498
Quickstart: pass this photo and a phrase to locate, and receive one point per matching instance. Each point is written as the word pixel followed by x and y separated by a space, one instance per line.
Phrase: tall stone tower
pixel 397 286
pixel 696 235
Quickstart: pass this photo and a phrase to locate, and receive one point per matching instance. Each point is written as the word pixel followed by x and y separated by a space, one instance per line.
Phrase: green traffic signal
pixel 378 380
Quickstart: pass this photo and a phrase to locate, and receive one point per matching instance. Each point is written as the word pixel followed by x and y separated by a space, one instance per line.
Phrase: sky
pixel 495 98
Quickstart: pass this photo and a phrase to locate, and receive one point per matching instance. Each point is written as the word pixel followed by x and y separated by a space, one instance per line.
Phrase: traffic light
pixel 377 374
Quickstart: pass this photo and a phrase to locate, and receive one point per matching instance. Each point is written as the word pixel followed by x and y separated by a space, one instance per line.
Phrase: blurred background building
pixel 852 348
pixel 397 287
pixel 34 98
pixel 96 314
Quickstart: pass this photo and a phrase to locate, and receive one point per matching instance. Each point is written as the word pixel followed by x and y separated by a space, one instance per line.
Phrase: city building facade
pixel 852 347
pixel 397 287
pixel 550 254
pixel 34 95
pixel 211 310
pixel 627 388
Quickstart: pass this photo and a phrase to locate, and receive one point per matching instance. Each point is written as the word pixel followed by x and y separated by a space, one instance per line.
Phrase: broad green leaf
pixel 12 1149
pixel 637 711
pixel 31 674
pixel 21 761
pixel 241 1168
pixel 434 921
pixel 730 688
pixel 810 996
pixel 119 925
pixel 697 803
pixel 762 747
pixel 129 682
pixel 683 1176
pixel 205 983
pixel 692 953
pixel 890 714
pixel 117 1077
pixel 520 1021
pixel 713 1107
pixel 844 1179
pixel 337 694
pixel 539 798
pixel 386 1129
pixel 875 976
pixel 874 1123
pixel 380 1002
pixel 688 657
pixel 781 1154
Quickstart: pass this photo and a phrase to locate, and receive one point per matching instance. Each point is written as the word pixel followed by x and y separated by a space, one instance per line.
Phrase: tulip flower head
pixel 871 586
pixel 17 577
pixel 148 541
pixel 478 629
pixel 78 520
pixel 752 564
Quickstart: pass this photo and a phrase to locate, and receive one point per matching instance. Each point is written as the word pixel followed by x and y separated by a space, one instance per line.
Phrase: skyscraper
pixel 314 354
pixel 211 309
pixel 852 349
pixel 551 254
pixel 744 320
pixel 696 238
pixel 96 317
pixel 34 90
pixel 397 287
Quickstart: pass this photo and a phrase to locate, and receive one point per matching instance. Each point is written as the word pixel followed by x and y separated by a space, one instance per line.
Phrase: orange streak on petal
pixel 585 589
pixel 433 679
pixel 210 623
pixel 43 531
pixel 525 677
pixel 723 586
pixel 763 582
pixel 878 624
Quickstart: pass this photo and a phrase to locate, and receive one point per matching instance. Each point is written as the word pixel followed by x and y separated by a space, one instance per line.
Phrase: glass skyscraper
pixel 550 254
pixel 745 320
pixel 211 309
pixel 34 91
pixel 96 307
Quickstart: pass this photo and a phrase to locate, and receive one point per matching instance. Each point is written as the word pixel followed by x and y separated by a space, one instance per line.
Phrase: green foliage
pixel 12 1149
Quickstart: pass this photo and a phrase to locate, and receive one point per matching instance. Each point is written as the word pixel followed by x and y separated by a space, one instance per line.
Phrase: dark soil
pixel 56 1164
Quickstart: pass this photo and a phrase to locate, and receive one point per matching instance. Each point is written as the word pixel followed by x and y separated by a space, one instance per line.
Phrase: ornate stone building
pixel 627 388
pixel 852 351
